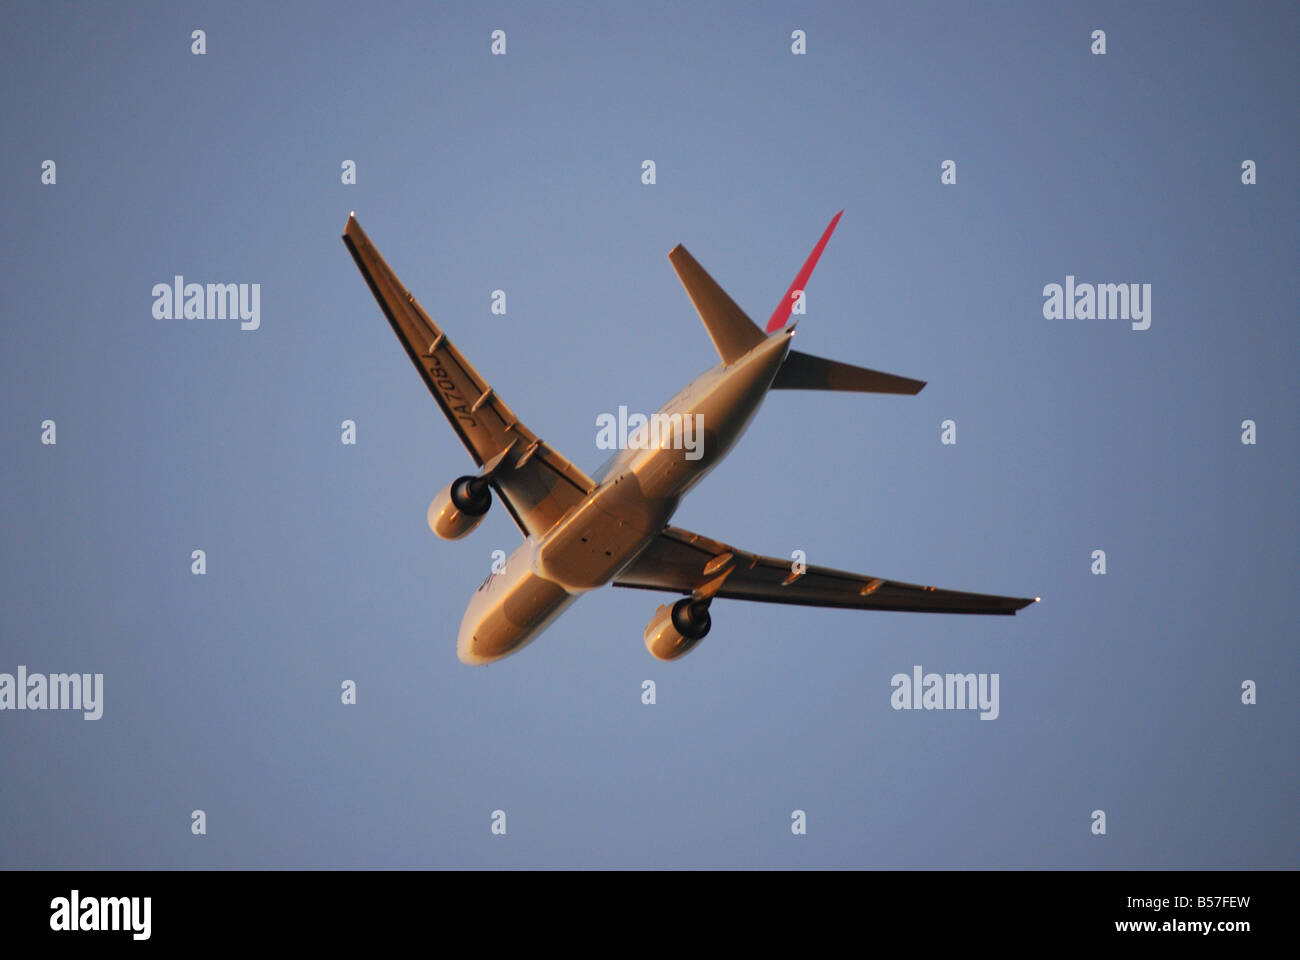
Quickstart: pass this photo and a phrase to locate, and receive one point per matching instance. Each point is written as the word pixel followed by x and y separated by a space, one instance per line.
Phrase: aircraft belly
pixel 601 537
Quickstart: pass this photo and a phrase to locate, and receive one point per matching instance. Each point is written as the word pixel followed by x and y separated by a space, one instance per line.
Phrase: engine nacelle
pixel 460 507
pixel 676 629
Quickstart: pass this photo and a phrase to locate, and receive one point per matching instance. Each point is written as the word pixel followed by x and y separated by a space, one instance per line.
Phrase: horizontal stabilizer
pixel 803 371
pixel 730 329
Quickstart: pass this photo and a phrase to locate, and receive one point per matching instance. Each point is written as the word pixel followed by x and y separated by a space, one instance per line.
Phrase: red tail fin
pixel 782 312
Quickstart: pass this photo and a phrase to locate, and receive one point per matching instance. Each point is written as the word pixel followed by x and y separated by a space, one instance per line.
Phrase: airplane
pixel 582 532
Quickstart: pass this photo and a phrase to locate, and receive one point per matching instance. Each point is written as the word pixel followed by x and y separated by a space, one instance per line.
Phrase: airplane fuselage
pixel 632 504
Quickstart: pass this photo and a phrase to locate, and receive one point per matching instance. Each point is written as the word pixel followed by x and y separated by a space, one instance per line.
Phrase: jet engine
pixel 459 508
pixel 675 630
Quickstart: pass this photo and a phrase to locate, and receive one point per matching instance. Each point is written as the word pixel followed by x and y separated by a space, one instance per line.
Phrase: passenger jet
pixel 582 532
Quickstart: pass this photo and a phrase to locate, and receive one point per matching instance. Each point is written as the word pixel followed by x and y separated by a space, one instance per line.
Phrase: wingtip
pixel 1023 603
pixel 352 230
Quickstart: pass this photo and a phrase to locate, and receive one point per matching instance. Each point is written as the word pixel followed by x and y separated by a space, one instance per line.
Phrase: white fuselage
pixel 634 501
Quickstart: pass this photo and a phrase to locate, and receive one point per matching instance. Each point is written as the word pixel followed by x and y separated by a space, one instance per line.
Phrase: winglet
pixel 782 312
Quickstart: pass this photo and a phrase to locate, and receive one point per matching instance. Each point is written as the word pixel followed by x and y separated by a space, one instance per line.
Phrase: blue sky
pixel 475 172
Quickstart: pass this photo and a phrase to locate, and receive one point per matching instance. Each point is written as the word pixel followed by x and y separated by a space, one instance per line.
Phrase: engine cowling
pixel 676 629
pixel 460 507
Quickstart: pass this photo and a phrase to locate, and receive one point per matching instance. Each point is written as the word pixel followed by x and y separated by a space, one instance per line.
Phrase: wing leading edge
pixel 535 482
pixel 679 561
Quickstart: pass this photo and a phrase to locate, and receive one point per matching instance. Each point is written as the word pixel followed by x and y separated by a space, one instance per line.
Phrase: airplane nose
pixel 488 635
pixel 499 624
pixel 465 645
pixel 477 644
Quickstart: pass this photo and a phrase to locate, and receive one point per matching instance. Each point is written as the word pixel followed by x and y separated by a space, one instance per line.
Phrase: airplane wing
pixel 537 484
pixel 679 561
